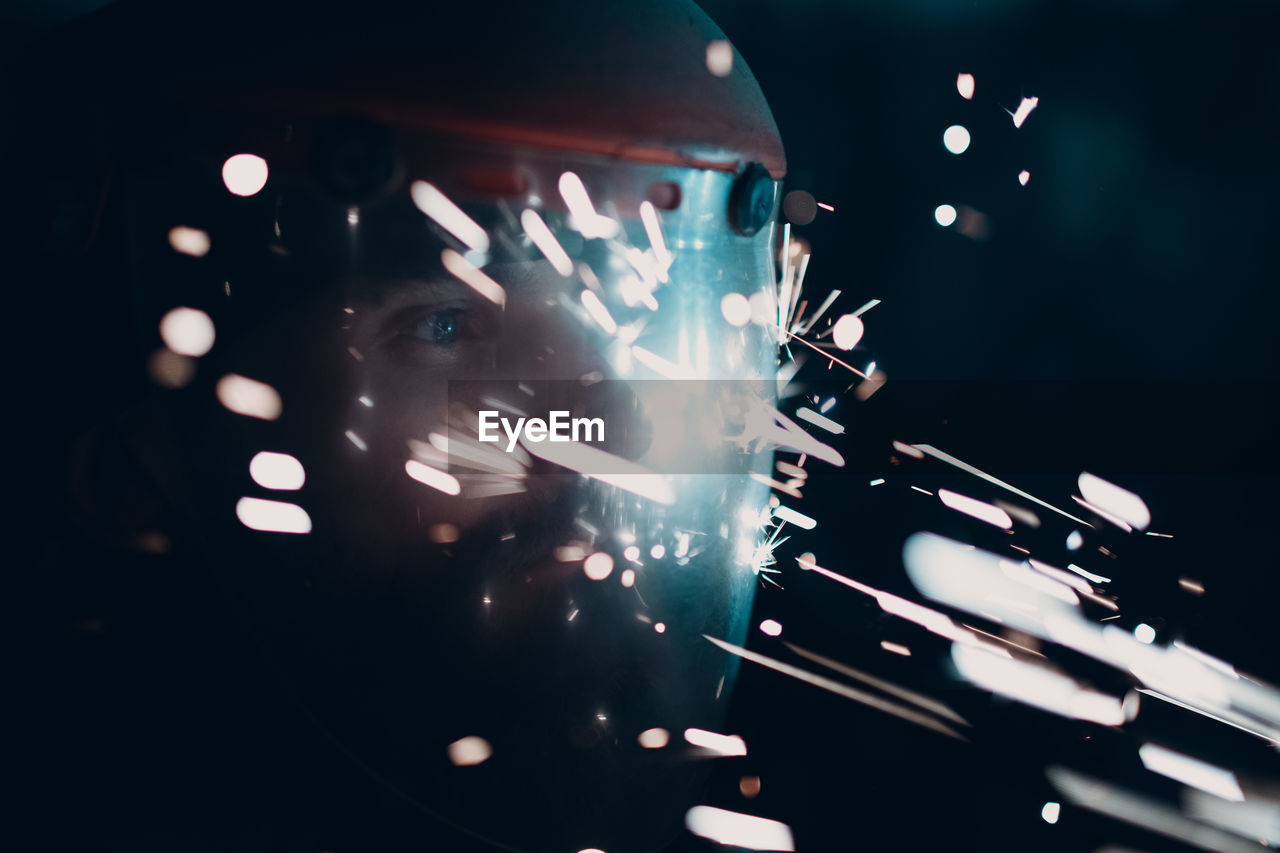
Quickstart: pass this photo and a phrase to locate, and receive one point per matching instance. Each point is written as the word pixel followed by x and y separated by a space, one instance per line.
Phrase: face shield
pixel 479 436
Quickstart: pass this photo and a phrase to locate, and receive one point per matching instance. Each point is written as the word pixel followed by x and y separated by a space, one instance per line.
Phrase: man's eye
pixel 440 327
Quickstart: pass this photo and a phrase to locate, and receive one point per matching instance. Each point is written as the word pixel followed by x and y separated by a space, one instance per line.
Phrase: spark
pixel 977 509
pixel 826 303
pixel 1160 535
pixel 244 174
pixel 1074 540
pixel 1144 634
pixel 878 481
pixel 1192 586
pixel 1191 771
pixel 660 627
pixel 272 516
pixel 1156 694
pixel 908 449
pixel 598 312
pixel 827 207
pixel 583 216
pixel 868 699
pixel 956 139
pixel 1119 502
pixel 365 401
pixel 187 331
pixel 598 566
pixel 607 468
pixel 788 490
pixel 725 745
pixel 189 241
pixel 739 830
pixel 449 216
pixel 771 628
pixel 653 738
pixel 806 414
pixel 896 648
pixel 249 397
pixel 847 332
pixel 1087 574
pixel 470 274
pixel 964 85
pixel 967 468
pixel 657 552
pixel 277 471
pixel 719 57
pixel 791 470
pixel 1024 110
pixel 736 309
pixel 469 751
pixel 1050 812
pixel 546 242
pixel 1036 685
pixel 1023 177
pixel 828 405
pixel 855 371
pixel 356 440
pixel 944 215
pixel 432 477
pixel 652 228
pixel 790 516
pixel 923 491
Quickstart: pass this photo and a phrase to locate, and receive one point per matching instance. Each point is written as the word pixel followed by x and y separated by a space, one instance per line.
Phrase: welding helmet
pixel 365 240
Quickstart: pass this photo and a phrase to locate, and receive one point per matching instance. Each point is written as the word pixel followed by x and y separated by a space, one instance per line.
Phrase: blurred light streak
pixel 1071 580
pixel 1191 771
pixel 272 516
pixel 1103 514
pixel 827 207
pixel 1017 513
pixel 967 468
pixel 725 745
pixel 929 704
pixel 1146 812
pixel 977 509
pixel 1121 503
pixel 605 467
pixel 598 312
pixel 249 397
pixel 902 447
pixel 1087 575
pixel 432 477
pixel 187 331
pixel 826 303
pixel 653 738
pixel 790 516
pixel 583 216
pixel 879 481
pixel 923 491
pixel 244 174
pixel 1254 818
pixel 790 491
pixel 739 830
pixel 277 471
pixel 469 751
pixel 1036 685
pixel 448 216
pixel 719 57
pixel 189 241
pixel 965 86
pixel 791 470
pixel 652 228
pixel 468 273
pixel 771 627
pixel 546 242
pixel 1161 535
pixel 839 689
pixel 1156 694
pixel 806 414
pixel 855 371
pixel 1024 110
pixel 356 440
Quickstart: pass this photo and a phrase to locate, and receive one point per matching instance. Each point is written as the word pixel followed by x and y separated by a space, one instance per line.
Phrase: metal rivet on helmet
pixel 751 200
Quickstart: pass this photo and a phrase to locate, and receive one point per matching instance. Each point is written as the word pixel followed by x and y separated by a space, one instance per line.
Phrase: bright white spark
pixel 1119 502
pixel 827 405
pixel 1144 634
pixel 896 648
pixel 632 553
pixel 583 214
pixel 598 566
pixel 771 627
pixel 1024 110
pixel 1036 686
pixel 956 139
pixel 726 745
pixel 546 242
pixel 879 481
pixel 1192 586
pixel 653 738
pixel 272 516
pixel 187 331
pixel 847 332
pixel 719 58
pixel 598 312
pixel 652 228
pixel 432 477
pixel 739 830
pixel 1074 540
pixel 790 516
pixel 944 215
pixel 1023 177
pixel 470 274
pixel 607 468
pixel 830 208
pixel 277 471
pixel 628 578
pixel 189 241
pixel 736 309
pixel 806 414
pixel 1050 812
pixel 658 551
pixel 964 85
pixel 244 174
pixel 978 509
pixel 356 440
pixel 964 466
pixel 449 216
pixel 249 397
pixel 469 751
pixel 1191 771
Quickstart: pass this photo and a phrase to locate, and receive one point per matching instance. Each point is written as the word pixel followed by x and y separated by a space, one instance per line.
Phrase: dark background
pixel 1118 319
